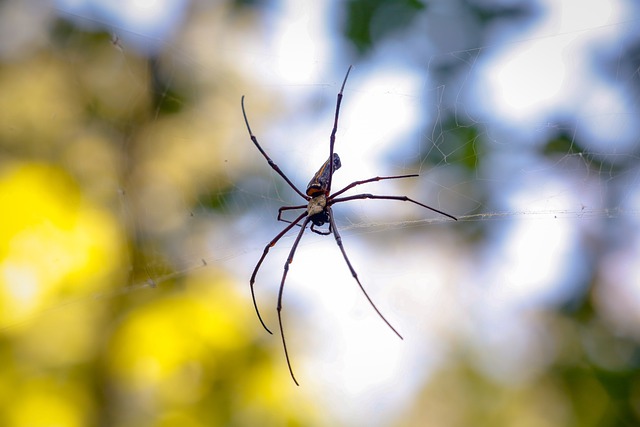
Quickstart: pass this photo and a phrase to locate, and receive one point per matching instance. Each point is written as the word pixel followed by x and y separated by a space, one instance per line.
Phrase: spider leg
pixel 288 208
pixel 264 254
pixel 284 277
pixel 401 198
pixel 374 179
pixel 322 233
pixel 273 165
pixel 332 139
pixel 336 234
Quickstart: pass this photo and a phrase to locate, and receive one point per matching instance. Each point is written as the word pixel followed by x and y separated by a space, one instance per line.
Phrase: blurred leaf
pixel 561 144
pixel 457 144
pixel 371 20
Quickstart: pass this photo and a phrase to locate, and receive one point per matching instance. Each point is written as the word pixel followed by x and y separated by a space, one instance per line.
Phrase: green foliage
pixel 369 21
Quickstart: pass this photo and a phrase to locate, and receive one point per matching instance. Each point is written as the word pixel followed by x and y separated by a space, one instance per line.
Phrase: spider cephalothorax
pixel 318 212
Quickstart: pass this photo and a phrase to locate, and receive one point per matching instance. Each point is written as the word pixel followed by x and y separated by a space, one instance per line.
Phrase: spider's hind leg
pixel 269 245
pixel 336 234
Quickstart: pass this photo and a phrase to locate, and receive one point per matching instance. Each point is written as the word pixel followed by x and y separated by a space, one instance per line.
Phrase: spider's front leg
pixel 271 163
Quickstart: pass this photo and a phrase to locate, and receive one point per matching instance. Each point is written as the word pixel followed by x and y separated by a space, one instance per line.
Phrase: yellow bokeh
pixel 190 355
pixel 53 246
pixel 168 340
pixel 45 402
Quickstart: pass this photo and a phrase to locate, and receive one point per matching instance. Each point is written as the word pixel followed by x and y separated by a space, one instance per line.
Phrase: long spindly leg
pixel 284 277
pixel 374 179
pixel 401 198
pixel 332 139
pixel 264 254
pixel 273 165
pixel 336 234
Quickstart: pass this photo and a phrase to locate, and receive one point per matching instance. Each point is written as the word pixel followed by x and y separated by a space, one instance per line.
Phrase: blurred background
pixel 135 207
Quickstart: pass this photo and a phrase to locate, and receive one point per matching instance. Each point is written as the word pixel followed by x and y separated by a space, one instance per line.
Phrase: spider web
pixel 529 139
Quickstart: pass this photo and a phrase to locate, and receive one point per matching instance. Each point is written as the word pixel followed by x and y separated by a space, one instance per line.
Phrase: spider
pixel 318 211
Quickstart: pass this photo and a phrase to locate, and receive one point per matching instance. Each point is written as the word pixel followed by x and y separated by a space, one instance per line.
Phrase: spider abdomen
pixel 320 181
